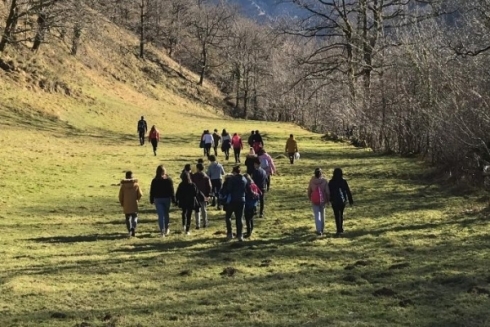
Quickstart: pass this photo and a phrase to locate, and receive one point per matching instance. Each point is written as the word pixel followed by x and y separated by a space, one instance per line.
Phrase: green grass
pixel 64 246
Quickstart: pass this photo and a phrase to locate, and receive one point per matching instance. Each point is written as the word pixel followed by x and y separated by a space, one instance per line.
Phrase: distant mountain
pixel 265 9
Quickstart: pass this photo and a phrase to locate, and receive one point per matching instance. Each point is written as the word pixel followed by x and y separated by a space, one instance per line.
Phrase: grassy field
pixel 413 254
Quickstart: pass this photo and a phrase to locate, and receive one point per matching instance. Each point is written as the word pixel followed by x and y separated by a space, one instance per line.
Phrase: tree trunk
pixel 41 31
pixel 142 29
pixel 77 33
pixel 10 25
pixel 204 62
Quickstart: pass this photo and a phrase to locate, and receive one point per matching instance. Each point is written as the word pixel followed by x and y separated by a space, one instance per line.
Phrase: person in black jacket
pixel 259 177
pixel 188 198
pixel 339 195
pixel 251 139
pixel 162 194
pixel 142 129
pixel 236 188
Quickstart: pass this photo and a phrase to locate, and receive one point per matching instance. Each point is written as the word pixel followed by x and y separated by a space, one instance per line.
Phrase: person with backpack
pixel 252 197
pixel 223 194
pixel 258 141
pixel 319 195
pixel 251 139
pixel 250 161
pixel 340 194
pixel 216 142
pixel 235 204
pixel 162 194
pixel 236 143
pixel 188 199
pixel 259 177
pixel 291 148
pixel 215 173
pixel 226 143
pixel 208 143
pixel 154 138
pixel 203 184
pixel 129 196
pixel 142 128
pixel 267 164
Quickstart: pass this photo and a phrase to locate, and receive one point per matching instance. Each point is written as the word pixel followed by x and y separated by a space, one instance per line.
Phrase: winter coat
pixel 291 145
pixel 258 139
pixel 188 196
pixel 226 142
pixel 236 187
pixel 142 126
pixel 250 163
pixel 215 171
pixel 162 187
pixel 236 142
pixel 339 192
pixel 323 184
pixel 259 177
pixel 129 195
pixel 270 169
pixel 216 139
pixel 202 182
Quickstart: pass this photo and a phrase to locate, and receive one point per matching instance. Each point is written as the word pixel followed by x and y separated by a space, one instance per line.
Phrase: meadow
pixel 415 253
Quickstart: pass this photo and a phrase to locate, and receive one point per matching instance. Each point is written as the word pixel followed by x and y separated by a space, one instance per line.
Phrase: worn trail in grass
pixel 413 254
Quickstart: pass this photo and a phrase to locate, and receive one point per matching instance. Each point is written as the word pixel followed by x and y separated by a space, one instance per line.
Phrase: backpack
pixel 317 197
pixel 342 195
pixel 141 125
pixel 255 191
pixel 264 163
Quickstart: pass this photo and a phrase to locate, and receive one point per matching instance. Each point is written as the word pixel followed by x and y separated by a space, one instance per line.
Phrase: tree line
pixel 399 76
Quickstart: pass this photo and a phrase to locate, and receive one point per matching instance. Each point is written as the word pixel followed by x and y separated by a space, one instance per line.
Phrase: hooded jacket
pixel 323 184
pixel 202 182
pixel 270 169
pixel 291 145
pixel 129 195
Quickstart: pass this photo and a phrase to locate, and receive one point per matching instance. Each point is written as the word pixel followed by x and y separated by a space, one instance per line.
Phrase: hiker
pixel 251 139
pixel 203 184
pixel 199 161
pixel 259 177
pixel 251 200
pixel 235 190
pixel 162 194
pixel 154 138
pixel 339 195
pixel 208 143
pixel 215 173
pixel 142 129
pixel 236 143
pixel 216 142
pixel 188 199
pixel 226 143
pixel 129 195
pixel 202 143
pixel 258 142
pixel 267 164
pixel 291 148
pixel 319 195
pixel 187 169
pixel 250 161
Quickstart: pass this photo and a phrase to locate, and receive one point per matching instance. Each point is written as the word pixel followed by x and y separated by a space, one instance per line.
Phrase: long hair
pixel 186 178
pixel 160 171
pixel 153 128
pixel 337 174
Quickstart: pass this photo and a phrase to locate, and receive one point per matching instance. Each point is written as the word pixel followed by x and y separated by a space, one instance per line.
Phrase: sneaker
pixel 133 232
pixel 198 227
pixel 261 215
pixel 187 233
pixel 240 239
pixel 162 234
pixel 167 231
pixel 229 237
pixel 130 234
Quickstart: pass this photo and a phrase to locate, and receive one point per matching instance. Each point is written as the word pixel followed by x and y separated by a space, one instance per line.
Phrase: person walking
pixel 236 143
pixel 319 195
pixel 188 199
pixel 215 173
pixel 202 143
pixel 208 143
pixel 251 200
pixel 203 184
pixel 250 161
pixel 291 148
pixel 339 194
pixel 187 169
pixel 162 194
pixel 142 128
pixel 258 141
pixel 216 142
pixel 259 177
pixel 235 189
pixel 226 143
pixel 251 139
pixel 129 196
pixel 267 164
pixel 154 138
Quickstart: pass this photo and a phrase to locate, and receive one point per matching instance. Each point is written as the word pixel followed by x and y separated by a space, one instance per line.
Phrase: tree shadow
pixel 79 238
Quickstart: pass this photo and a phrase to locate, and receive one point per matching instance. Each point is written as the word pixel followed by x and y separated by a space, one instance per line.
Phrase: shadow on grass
pixel 79 238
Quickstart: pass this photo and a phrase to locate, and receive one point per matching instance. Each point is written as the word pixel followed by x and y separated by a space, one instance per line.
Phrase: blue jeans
pixel 319 215
pixel 163 210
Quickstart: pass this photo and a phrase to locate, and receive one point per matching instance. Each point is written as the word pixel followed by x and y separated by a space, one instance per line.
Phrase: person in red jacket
pixel 154 138
pixel 236 143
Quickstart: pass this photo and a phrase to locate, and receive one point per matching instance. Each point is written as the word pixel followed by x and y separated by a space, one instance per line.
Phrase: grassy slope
pixel 63 238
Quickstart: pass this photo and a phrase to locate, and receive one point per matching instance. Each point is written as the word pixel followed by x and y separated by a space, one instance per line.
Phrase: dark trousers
pixel 207 149
pixel 216 185
pixel 291 157
pixel 262 202
pixel 268 182
pixel 237 209
pixel 187 218
pixel 154 144
pixel 131 221
pixel 142 137
pixel 215 148
pixel 227 153
pixel 237 154
pixel 338 212
pixel 249 219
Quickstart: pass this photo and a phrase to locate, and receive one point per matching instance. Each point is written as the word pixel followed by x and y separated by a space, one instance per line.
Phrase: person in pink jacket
pixel 267 164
